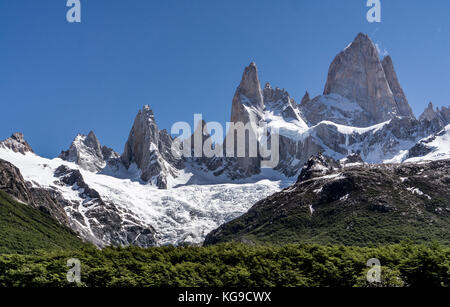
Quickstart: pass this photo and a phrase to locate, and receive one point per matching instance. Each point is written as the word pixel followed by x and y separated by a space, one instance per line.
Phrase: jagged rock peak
pixel 250 86
pixel 87 152
pixel 275 94
pixel 150 149
pixel 429 113
pixel 143 134
pixel 148 112
pixel 357 74
pixel 92 141
pixel 305 99
pixel 17 143
pixel 363 38
pixel 404 109
pixel 440 117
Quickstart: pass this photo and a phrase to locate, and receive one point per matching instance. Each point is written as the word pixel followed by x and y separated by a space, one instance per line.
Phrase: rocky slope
pixel 110 210
pixel 12 182
pixel 350 204
pixel 24 229
pixel 93 219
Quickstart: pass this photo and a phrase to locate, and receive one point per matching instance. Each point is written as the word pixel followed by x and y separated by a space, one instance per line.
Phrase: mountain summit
pixel 358 75
pixel 150 149
pixel 248 94
pixel 87 152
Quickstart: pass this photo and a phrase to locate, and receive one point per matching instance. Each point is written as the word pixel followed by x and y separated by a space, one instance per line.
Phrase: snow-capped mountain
pixel 87 152
pixel 358 75
pixel 105 209
pixel 150 195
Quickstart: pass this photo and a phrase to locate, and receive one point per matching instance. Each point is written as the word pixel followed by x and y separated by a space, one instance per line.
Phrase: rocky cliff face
pixel 16 143
pixel 247 107
pixel 358 75
pixel 334 108
pixel 87 152
pixel 150 149
pixel 403 107
pixel 268 108
pixel 248 96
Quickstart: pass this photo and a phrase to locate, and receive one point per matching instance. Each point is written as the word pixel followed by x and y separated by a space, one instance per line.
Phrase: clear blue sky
pixel 182 57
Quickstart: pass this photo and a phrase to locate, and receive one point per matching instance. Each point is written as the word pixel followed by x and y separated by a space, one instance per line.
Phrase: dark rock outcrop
pixel 318 166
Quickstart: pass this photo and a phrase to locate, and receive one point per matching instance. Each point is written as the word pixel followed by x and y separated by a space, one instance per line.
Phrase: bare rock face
pixel 247 107
pixel 357 74
pixel 248 94
pixel 445 114
pixel 87 152
pixel 336 109
pixel 403 107
pixel 150 149
pixel 260 107
pixel 305 99
pixel 429 113
pixel 17 143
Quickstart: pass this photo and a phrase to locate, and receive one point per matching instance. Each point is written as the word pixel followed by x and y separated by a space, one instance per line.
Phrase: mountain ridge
pixel 350 204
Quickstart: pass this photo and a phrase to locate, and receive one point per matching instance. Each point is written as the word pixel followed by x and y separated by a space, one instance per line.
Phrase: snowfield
pixel 180 214
pixel 439 146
